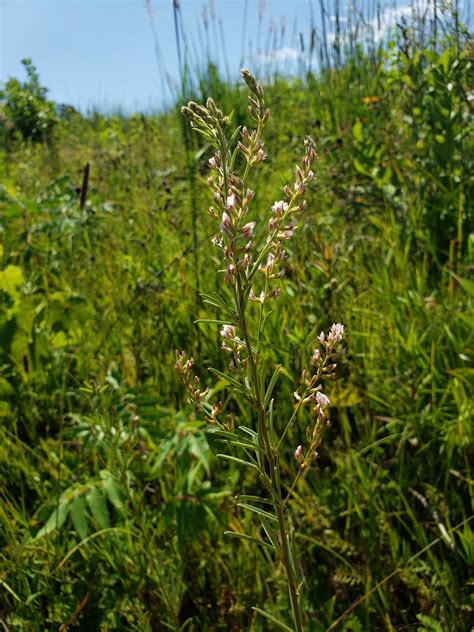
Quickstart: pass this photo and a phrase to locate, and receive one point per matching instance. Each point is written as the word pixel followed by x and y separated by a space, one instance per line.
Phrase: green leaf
pixel 271 534
pixel 112 491
pixel 249 538
pixel 271 385
pixel 466 284
pixel 361 168
pixel 271 618
pixel 79 516
pixel 255 499
pixel 211 321
pixel 429 623
pixel 11 279
pixel 6 389
pixel 230 380
pixel 98 507
pixel 199 447
pixel 358 132
pixel 257 510
pixel 217 300
pixel 55 521
pixel 237 460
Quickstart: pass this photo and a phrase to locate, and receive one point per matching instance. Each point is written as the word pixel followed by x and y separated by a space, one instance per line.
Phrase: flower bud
pixel 299 455
pixel 228 331
pixel 247 230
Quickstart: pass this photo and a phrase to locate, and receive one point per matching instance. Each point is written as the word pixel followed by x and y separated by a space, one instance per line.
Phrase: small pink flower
pixel 279 208
pixel 322 399
pixel 230 202
pixel 310 176
pixel 270 262
pixel 316 356
pixel 226 224
pixel 321 337
pixel 212 163
pixel 336 333
pixel 228 331
pixel 247 230
pixel 299 456
pixel 229 276
pixel 272 223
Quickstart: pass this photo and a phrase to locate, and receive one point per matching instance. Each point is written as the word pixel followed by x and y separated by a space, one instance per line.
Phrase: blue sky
pixel 102 52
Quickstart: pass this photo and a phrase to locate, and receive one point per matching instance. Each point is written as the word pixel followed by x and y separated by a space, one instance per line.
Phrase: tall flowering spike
pixel 244 257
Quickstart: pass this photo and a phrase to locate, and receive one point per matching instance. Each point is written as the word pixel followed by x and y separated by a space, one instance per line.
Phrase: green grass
pixel 113 504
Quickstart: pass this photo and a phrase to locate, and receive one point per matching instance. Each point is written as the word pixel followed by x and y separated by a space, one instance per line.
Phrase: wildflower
pixel 299 174
pixel 286 234
pixel 247 230
pixel 321 337
pixel 279 208
pixel 322 399
pixel 230 202
pixel 299 456
pixel 212 163
pixel 226 224
pixel 228 331
pixel 316 356
pixel 336 333
pixel 230 274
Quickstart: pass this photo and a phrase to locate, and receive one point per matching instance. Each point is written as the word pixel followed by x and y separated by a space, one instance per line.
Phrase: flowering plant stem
pixel 247 375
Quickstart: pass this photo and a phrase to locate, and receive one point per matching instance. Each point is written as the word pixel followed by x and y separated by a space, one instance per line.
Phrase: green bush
pixel 25 108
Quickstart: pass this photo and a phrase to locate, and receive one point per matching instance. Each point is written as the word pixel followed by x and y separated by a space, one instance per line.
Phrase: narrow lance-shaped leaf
pixel 273 619
pixel 98 506
pixel 55 521
pixel 249 538
pixel 258 510
pixel 79 516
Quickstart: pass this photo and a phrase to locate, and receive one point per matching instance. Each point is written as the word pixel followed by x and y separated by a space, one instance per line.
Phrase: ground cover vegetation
pixel 114 506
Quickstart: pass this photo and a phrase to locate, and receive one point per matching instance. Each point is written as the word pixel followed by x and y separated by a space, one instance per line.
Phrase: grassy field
pixel 113 503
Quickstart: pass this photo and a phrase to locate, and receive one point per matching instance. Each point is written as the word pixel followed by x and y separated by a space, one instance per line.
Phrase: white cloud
pixel 379 27
pixel 286 53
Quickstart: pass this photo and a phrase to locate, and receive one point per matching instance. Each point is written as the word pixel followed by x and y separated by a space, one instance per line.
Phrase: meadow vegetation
pixel 113 503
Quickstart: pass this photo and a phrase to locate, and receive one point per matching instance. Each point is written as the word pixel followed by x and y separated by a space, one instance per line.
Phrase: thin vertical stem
pixel 271 460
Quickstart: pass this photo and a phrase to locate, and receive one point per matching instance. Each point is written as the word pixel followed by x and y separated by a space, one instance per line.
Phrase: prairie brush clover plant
pixel 254 259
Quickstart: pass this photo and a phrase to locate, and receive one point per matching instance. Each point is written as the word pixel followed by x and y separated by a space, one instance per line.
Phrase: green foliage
pixel 24 108
pixel 112 501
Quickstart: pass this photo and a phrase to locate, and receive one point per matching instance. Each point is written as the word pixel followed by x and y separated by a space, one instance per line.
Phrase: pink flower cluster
pixel 323 361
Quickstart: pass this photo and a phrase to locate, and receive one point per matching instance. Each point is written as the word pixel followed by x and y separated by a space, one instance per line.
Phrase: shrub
pixel 25 109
